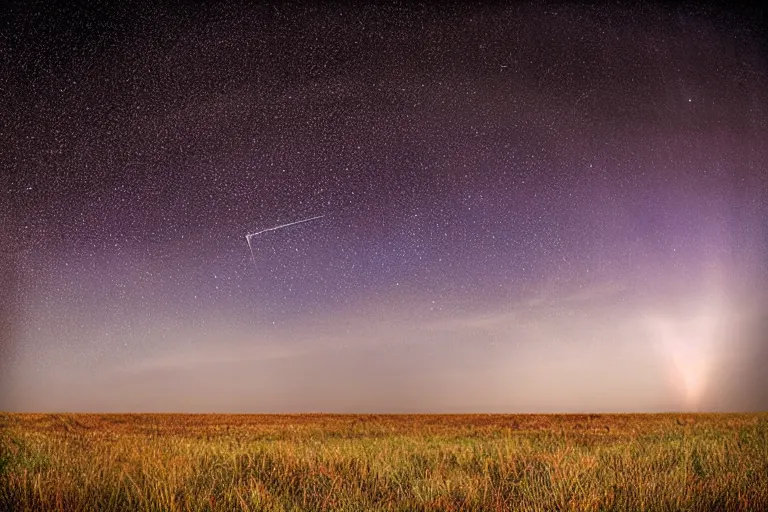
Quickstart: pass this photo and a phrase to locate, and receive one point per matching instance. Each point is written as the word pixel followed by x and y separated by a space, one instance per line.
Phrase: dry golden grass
pixel 383 462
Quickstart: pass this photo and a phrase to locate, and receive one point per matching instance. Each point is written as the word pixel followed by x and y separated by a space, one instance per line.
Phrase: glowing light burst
pixel 690 342
pixel 249 236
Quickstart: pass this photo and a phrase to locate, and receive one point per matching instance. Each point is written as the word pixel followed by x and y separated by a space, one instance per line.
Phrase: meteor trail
pixel 251 235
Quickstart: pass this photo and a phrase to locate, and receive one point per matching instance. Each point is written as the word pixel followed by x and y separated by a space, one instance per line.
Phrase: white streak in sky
pixel 251 235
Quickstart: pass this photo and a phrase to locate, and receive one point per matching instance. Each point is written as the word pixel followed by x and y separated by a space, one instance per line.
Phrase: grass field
pixel 327 462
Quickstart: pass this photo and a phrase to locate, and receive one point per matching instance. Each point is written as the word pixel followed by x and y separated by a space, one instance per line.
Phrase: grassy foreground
pixel 355 463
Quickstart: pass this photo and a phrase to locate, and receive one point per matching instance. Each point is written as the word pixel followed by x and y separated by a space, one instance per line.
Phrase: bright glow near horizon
pixel 692 344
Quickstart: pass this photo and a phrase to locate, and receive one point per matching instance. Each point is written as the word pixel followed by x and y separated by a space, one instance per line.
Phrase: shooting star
pixel 251 235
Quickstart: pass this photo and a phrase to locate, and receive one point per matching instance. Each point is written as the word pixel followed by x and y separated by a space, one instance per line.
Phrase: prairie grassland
pixel 382 462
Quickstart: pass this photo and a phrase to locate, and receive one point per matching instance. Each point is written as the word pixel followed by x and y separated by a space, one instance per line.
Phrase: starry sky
pixel 535 208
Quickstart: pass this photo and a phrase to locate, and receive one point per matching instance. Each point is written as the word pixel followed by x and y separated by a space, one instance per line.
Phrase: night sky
pixel 531 208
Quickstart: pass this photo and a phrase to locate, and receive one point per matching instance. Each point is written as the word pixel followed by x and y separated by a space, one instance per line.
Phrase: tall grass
pixel 325 462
